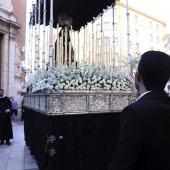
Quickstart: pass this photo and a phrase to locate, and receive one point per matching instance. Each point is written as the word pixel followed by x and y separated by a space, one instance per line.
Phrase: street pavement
pixel 17 156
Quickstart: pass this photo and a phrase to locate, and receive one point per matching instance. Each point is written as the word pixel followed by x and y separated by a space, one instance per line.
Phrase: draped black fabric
pixel 83 141
pixel 81 11
pixel 5 119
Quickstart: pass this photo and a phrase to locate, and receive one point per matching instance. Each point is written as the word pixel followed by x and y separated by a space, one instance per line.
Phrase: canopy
pixel 81 11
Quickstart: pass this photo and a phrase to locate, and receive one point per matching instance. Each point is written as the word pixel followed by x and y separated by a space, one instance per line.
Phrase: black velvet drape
pixel 81 11
pixel 83 141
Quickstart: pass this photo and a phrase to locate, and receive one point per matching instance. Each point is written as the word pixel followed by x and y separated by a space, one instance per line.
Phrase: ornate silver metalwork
pixel 51 139
pixel 118 102
pixel 75 103
pixel 99 102
pixel 37 102
pixel 42 103
pixel 61 137
pixel 52 151
pixel 71 102
pixel 32 101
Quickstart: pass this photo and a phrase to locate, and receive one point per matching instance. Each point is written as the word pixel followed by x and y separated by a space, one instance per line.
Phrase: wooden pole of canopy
pixel 113 54
pixel 62 57
pixel 109 53
pixel 74 60
pixel 92 45
pixel 101 49
pixel 89 51
pixel 69 54
pixel 74 47
pixel 128 37
pixel 84 50
pixel 69 47
pixel 65 43
pixel 58 51
pixel 29 58
pixel 35 36
pixel 44 24
pixel 51 35
pixel 47 48
pixel 54 62
pixel 39 22
pixel 78 48
pixel 97 49
pixel 32 56
pixel 61 61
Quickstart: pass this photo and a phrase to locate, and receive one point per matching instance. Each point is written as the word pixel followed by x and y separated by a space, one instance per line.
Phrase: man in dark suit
pixel 144 136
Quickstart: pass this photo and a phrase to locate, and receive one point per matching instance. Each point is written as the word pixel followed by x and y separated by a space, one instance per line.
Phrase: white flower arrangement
pixel 83 78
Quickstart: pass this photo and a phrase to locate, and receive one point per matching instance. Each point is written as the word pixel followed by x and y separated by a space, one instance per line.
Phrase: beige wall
pixel 138 22
pixel 12 30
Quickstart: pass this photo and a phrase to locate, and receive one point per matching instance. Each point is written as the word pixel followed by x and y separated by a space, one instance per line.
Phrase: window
pixel 136 18
pixel 105 26
pixel 136 32
pixel 157 39
pixel 98 27
pixel 157 27
pixel 106 44
pixel 137 46
pixel 151 37
pixel 150 24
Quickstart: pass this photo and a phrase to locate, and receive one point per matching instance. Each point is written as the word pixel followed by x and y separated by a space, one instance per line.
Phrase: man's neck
pixel 142 89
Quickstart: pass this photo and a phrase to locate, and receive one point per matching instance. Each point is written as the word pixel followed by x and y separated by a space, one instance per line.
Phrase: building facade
pixel 145 31
pixel 12 46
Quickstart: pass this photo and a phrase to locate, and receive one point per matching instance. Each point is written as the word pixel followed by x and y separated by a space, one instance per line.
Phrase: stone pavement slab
pixel 17 156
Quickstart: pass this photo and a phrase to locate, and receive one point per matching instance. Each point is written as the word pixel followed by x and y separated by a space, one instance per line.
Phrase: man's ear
pixel 138 76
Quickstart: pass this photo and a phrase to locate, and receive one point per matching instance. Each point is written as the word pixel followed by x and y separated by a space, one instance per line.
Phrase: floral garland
pixel 83 78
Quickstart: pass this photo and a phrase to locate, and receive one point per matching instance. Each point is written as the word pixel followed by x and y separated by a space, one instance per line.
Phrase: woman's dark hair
pixel 154 68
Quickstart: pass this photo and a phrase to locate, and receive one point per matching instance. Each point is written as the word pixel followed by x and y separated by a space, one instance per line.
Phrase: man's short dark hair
pixel 154 68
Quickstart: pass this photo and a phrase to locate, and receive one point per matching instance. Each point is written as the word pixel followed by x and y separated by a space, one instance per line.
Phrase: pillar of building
pixel 8 31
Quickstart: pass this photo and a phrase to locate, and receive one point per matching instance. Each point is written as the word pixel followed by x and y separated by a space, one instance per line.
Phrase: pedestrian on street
pixel 14 107
pixel 5 119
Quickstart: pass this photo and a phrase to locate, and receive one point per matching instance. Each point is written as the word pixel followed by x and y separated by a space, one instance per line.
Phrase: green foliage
pixel 135 58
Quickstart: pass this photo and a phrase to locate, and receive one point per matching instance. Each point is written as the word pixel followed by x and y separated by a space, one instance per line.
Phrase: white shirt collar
pixel 143 94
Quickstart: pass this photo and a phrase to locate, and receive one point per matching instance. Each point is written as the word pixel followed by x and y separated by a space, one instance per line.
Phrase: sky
pixel 157 8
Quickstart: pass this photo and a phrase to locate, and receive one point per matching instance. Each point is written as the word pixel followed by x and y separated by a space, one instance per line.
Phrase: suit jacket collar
pixel 143 94
pixel 155 94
